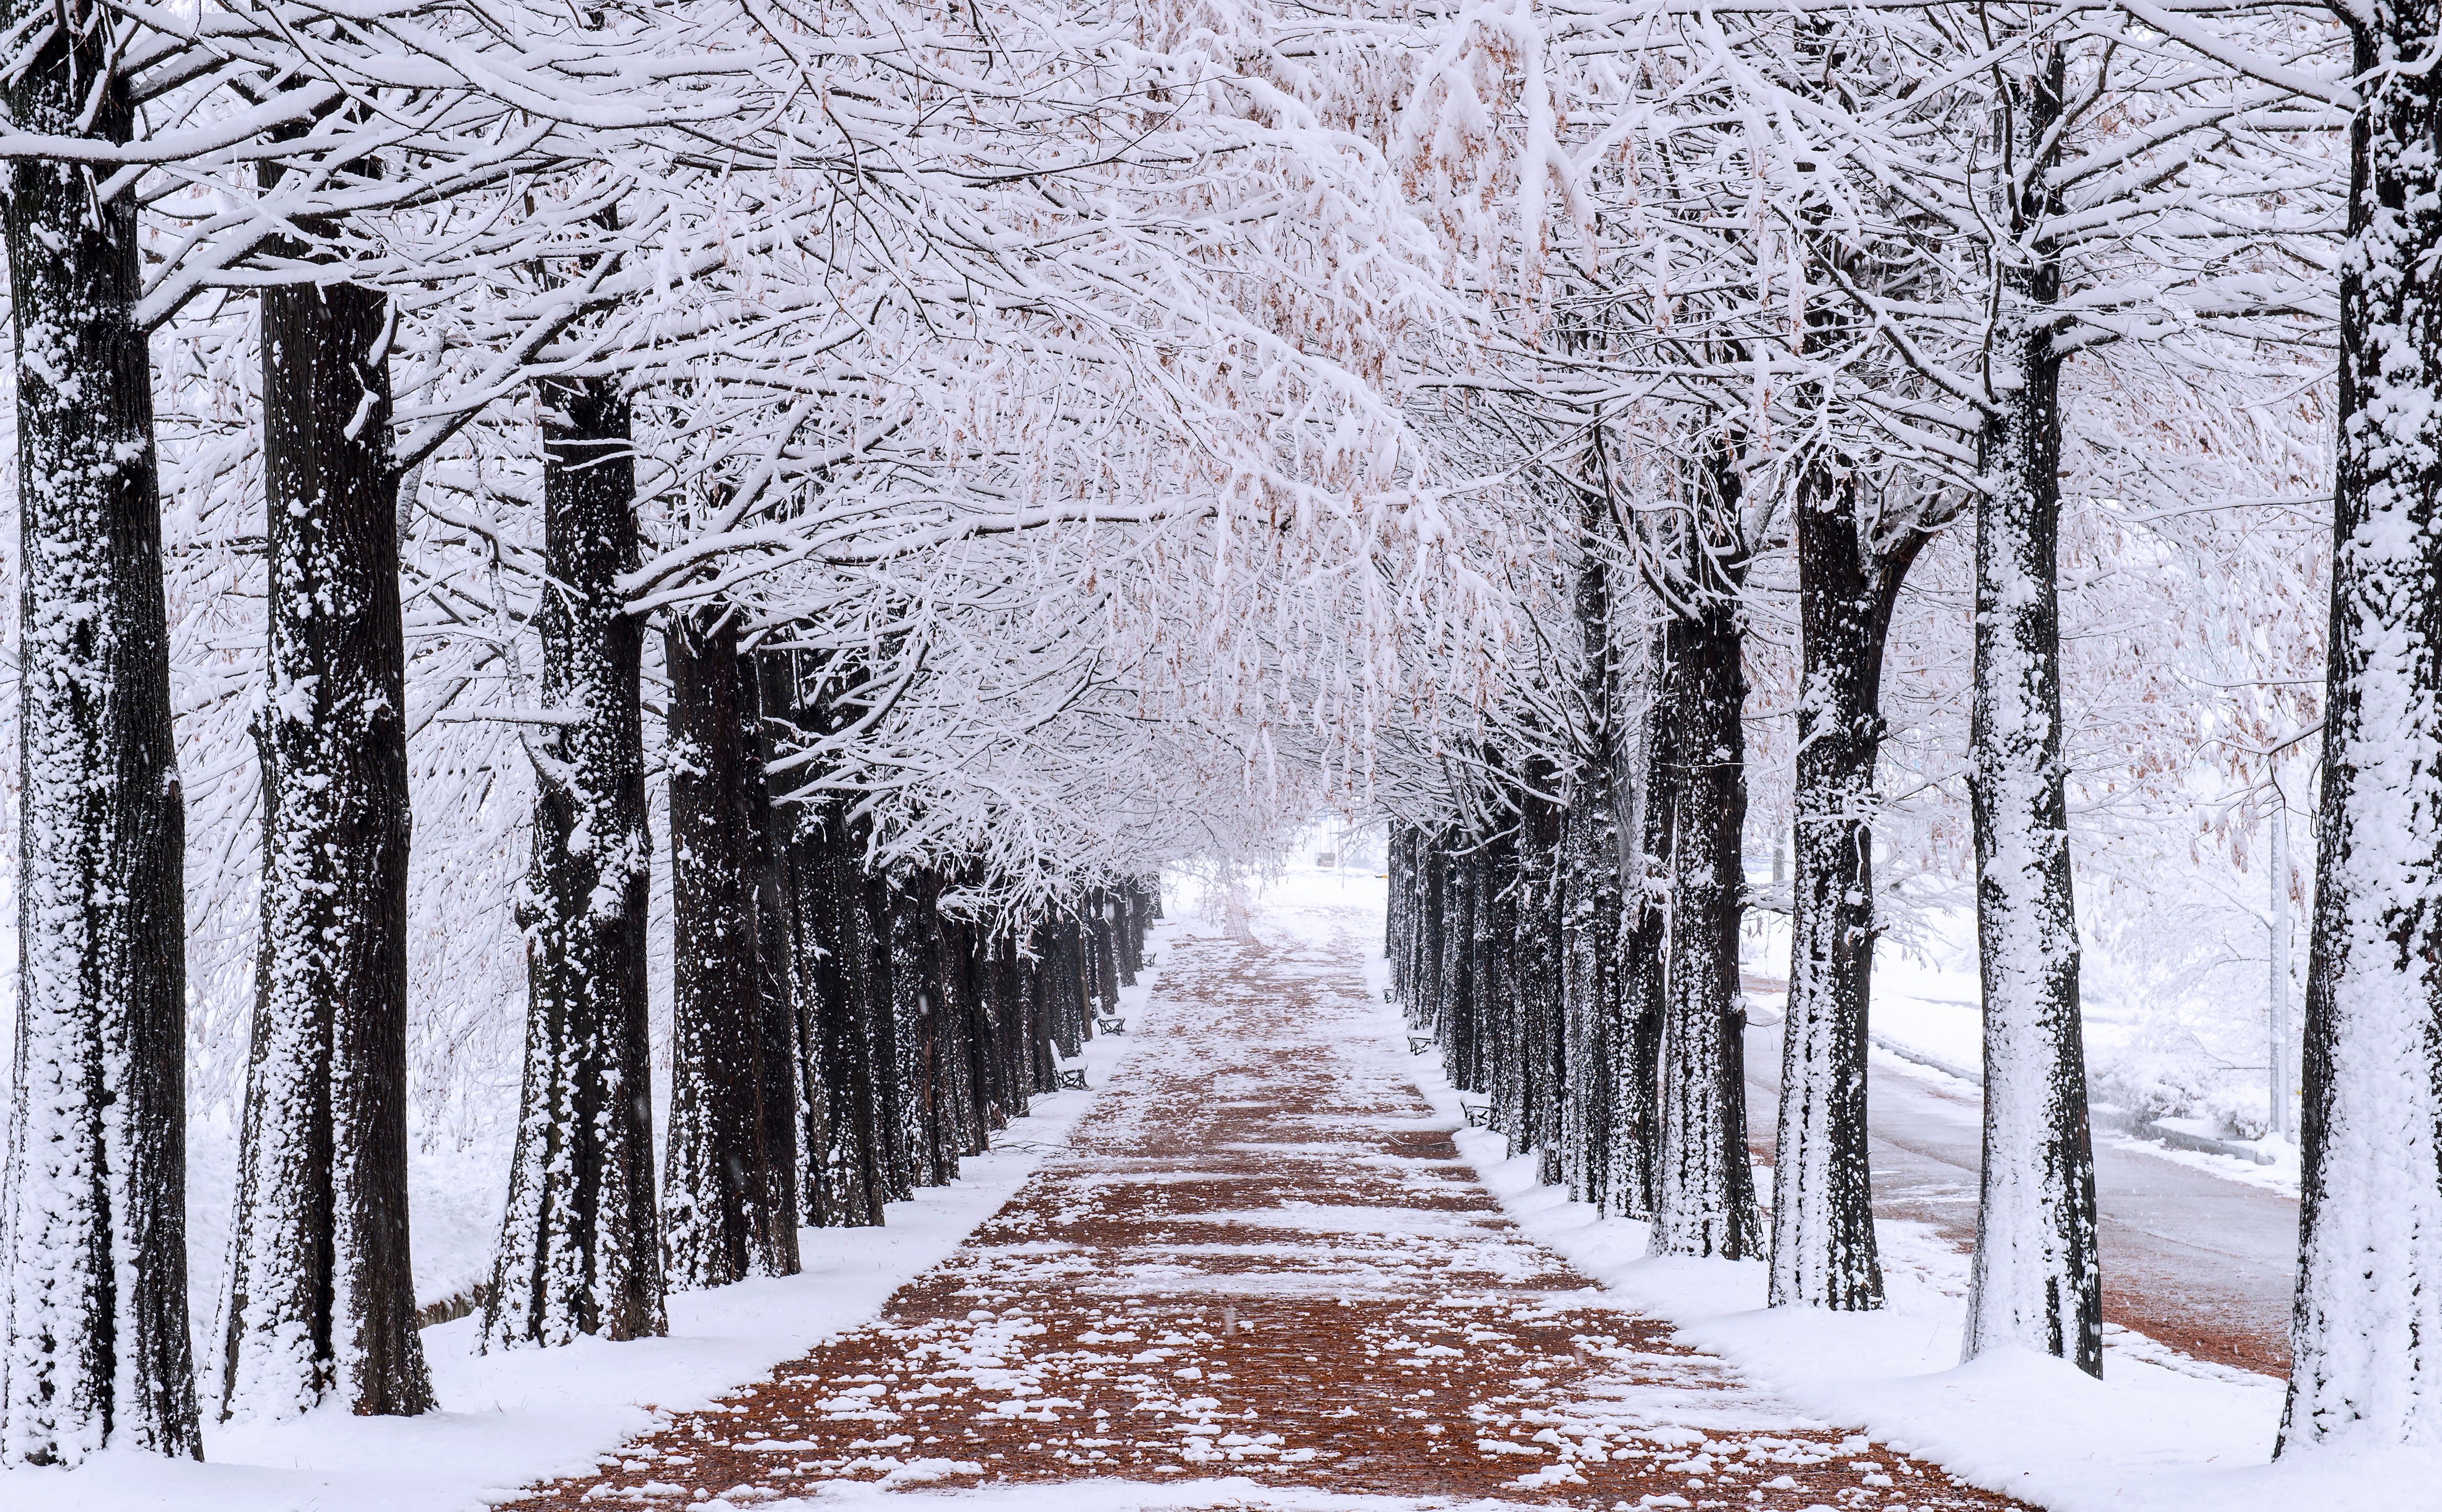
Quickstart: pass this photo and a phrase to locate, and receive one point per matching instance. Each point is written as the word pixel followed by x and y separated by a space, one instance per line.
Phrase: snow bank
pixel 2161 1059
pixel 512 1419
pixel 2160 1432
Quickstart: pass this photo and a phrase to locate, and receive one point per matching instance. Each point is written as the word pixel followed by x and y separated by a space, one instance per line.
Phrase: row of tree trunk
pixel 840 1038
pixel 1568 933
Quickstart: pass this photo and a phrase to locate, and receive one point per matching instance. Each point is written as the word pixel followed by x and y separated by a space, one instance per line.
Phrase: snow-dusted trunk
pixel 1034 991
pixel 1461 896
pixel 1102 919
pixel 1590 904
pixel 726 1213
pixel 1704 1186
pixel 1593 1048
pixel 1430 983
pixel 321 1298
pixel 1129 900
pixel 1646 792
pixel 1399 920
pixel 1823 1219
pixel 2366 1334
pixel 94 1348
pixel 1017 1024
pixel 986 1057
pixel 780 1057
pixel 844 1073
pixel 580 1246
pixel 893 1048
pixel 1013 1075
pixel 1499 1053
pixel 1535 972
pixel 927 1089
pixel 1068 987
pixel 2035 1280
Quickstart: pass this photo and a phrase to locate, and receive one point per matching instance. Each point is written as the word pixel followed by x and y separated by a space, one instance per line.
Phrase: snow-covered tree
pixel 94 1346
pixel 2363 1369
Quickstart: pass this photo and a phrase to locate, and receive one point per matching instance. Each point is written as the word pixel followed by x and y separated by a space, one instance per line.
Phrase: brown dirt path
pixel 1259 1257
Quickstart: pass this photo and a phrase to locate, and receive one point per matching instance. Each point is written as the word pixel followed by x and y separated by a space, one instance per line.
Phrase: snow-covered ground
pixel 2140 1056
pixel 508 1420
pixel 2160 1432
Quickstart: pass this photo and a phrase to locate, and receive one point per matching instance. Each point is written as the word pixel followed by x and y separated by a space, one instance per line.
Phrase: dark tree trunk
pixel 1429 981
pixel 1538 958
pixel 1017 1042
pixel 1131 932
pixel 1501 1057
pixel 1458 963
pixel 1592 1058
pixel 856 1183
pixel 780 1057
pixel 1400 924
pixel 1636 1116
pixel 1068 987
pixel 893 1046
pixel 2035 1280
pixel 926 1054
pixel 818 990
pixel 1106 955
pixel 843 1183
pixel 321 1298
pixel 1595 1055
pixel 981 1062
pixel 1036 980
pixel 1705 1187
pixel 1823 1252
pixel 722 1211
pixel 2363 1343
pixel 1486 963
pixel 93 1349
pixel 1646 783
pixel 580 1246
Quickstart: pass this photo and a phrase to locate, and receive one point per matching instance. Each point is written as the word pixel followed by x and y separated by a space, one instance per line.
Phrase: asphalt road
pixel 2199 1262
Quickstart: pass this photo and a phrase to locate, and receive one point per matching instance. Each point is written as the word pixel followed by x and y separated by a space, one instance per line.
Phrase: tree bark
pixel 1703 1186
pixel 580 1245
pixel 1459 899
pixel 2035 1280
pixel 2364 1367
pixel 322 1294
pixel 1537 956
pixel 722 1215
pixel 891 1046
pixel 1647 786
pixel 1589 942
pixel 927 1052
pixel 1823 1250
pixel 1593 1058
pixel 94 1344
pixel 781 1053
pixel 852 1070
